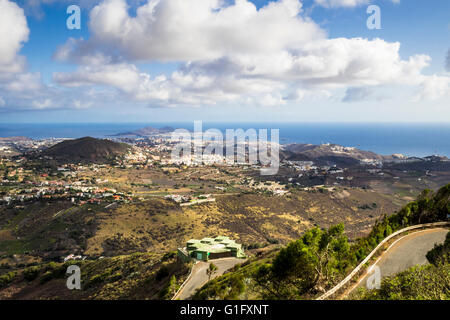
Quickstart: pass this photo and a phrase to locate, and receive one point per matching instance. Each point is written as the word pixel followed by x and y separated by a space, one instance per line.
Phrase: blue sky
pixel 199 72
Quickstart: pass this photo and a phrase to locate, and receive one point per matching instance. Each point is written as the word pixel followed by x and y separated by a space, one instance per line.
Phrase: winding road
pixel 406 252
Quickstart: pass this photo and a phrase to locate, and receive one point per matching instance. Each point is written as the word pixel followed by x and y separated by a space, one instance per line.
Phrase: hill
pixel 50 230
pixel 86 149
pixel 326 154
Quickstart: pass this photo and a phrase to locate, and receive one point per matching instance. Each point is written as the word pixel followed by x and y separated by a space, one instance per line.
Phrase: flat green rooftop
pixel 218 244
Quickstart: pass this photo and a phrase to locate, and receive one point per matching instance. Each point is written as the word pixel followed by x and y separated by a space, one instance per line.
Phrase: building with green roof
pixel 210 248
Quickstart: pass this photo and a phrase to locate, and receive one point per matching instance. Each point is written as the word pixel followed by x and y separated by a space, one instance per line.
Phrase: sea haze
pixel 383 138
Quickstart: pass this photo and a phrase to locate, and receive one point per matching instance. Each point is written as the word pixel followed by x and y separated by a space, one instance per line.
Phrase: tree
pixel 211 270
pixel 170 289
pixel 308 264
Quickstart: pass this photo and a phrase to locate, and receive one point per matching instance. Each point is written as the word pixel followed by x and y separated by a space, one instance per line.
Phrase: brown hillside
pixel 86 150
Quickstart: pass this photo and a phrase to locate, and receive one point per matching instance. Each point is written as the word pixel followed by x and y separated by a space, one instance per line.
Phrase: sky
pixel 225 60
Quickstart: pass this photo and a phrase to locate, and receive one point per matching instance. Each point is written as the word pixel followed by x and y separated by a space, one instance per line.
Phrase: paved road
pixel 199 276
pixel 407 252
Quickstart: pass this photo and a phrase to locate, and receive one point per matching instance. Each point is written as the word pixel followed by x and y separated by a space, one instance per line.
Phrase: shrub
pixel 31 273
pixel 237 287
pixel 169 255
pixel 115 277
pixel 162 273
pixel 170 289
pixel 440 253
pixel 94 280
pixel 7 279
pixel 47 276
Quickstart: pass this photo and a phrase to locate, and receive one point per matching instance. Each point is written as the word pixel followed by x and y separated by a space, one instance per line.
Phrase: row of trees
pixel 307 265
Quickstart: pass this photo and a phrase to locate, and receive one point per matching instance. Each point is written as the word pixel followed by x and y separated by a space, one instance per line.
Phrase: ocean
pixel 417 139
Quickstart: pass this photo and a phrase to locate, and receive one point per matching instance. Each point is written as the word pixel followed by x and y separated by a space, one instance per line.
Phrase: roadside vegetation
pixel 135 276
pixel 428 282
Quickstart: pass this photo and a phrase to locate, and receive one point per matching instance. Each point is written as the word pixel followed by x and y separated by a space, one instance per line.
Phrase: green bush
pixel 169 255
pixel 237 287
pixel 440 254
pixel 31 273
pixel 95 280
pixel 46 277
pixel 7 278
pixel 427 282
pixel 170 289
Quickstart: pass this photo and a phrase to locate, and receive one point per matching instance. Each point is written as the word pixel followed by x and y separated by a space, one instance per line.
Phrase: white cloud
pixel 23 83
pixel 19 88
pixel 234 53
pixel 320 65
pixel 125 77
pixel 433 87
pixel 180 30
pixel 300 95
pixel 15 82
pixel 43 104
pixel 355 94
pixel 13 33
pixel 229 53
pixel 180 88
